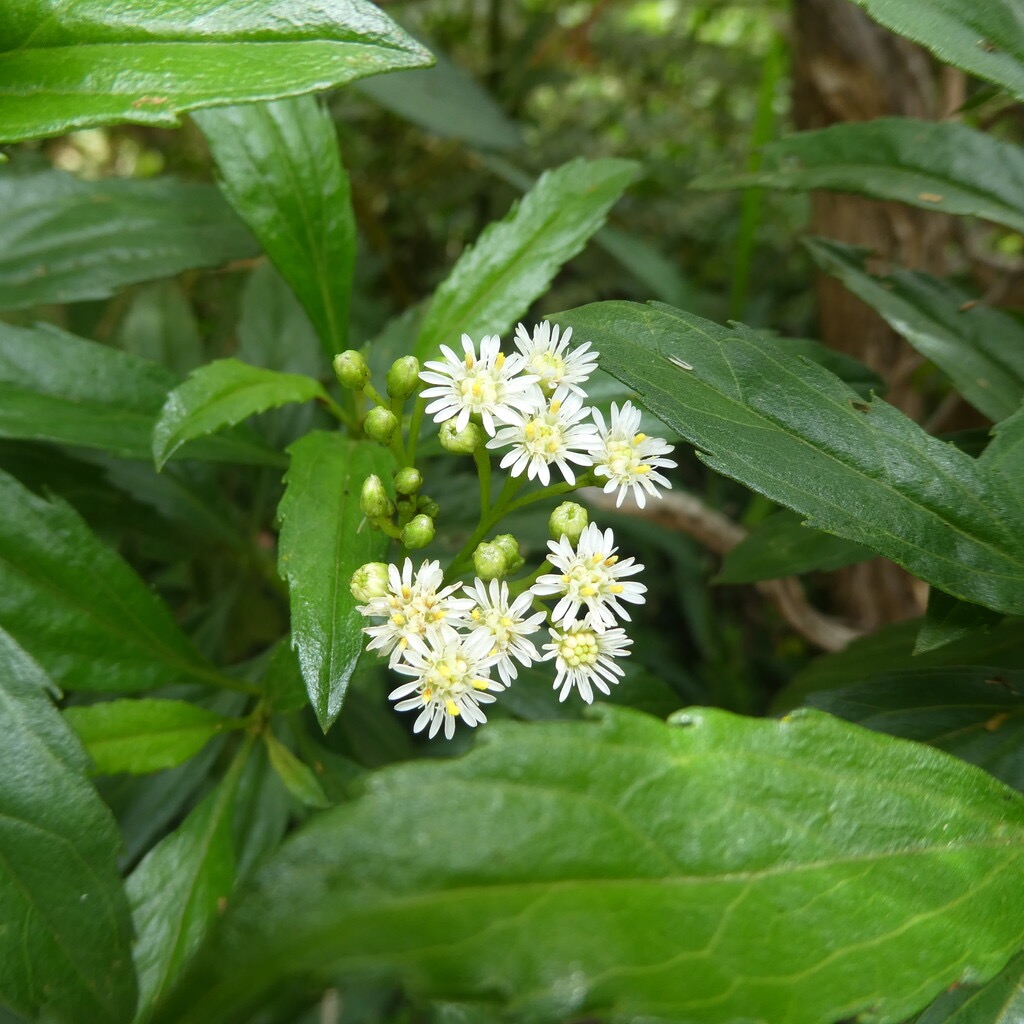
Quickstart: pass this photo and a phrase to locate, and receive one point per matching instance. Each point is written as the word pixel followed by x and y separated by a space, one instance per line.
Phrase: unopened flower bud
pixel 569 520
pixel 428 505
pixel 403 377
pixel 373 499
pixel 380 424
pixel 509 546
pixel 351 370
pixel 418 532
pixel 489 561
pixel 369 581
pixel 408 480
pixel 460 442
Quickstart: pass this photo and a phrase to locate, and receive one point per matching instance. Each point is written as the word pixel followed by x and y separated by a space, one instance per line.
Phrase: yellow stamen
pixel 479 684
pixel 555 406
pixel 451 707
pixel 616 588
pixel 639 438
pixel 499 362
pixel 469 361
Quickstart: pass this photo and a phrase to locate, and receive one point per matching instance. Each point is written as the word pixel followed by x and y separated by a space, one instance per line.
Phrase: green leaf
pixel 1001 1001
pixel 179 889
pixel 980 349
pixel 77 608
pixel 66 239
pixel 221 394
pixel 65 932
pixel 57 387
pixel 935 165
pixel 140 736
pixel 792 431
pixel 720 869
pixel 514 260
pixel 161 326
pixel 281 170
pixel 851 371
pixel 323 541
pixel 297 777
pixel 948 619
pixel 92 63
pixel 1004 455
pixel 782 546
pixel 982 37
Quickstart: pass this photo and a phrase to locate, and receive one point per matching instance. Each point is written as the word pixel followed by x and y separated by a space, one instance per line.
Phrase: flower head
pixel 628 458
pixel 413 607
pixel 590 575
pixel 543 433
pixel 481 385
pixel 507 625
pixel 549 357
pixel 449 679
pixel 585 658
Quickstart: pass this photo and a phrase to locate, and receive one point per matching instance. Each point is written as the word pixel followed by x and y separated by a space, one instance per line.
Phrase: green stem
pixel 483 469
pixel 376 396
pixel 415 424
pixel 487 520
pixel 336 411
pixel 516 588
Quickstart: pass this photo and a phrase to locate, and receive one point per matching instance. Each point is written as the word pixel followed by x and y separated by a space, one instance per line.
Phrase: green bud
pixel 408 480
pixel 369 581
pixel 489 561
pixel 403 377
pixel 428 505
pixel 509 546
pixel 351 370
pixel 460 442
pixel 374 500
pixel 418 532
pixel 380 424
pixel 568 520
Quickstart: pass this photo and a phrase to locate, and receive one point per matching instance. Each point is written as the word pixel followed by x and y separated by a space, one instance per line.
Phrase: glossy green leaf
pixel 323 541
pixel 720 869
pixel 221 394
pixel 1004 455
pixel 982 37
pixel 782 546
pixel 65 932
pixel 140 736
pixel 980 349
pixel 77 607
pixel 515 259
pixel 281 170
pixel 179 889
pixel 66 240
pixel 948 619
pixel 298 778
pixel 794 432
pixel 936 165
pixel 91 63
pixel 1001 1001
pixel 161 326
pixel 61 388
pixel 851 371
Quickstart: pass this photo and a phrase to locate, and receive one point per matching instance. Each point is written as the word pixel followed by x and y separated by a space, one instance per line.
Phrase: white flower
pixel 548 357
pixel 585 658
pixel 628 458
pixel 590 576
pixel 482 385
pixel 544 433
pixel 506 625
pixel 450 678
pixel 413 608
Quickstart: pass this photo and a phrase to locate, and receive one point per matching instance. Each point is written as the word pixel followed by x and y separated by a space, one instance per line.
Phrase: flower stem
pixel 483 469
pixel 487 521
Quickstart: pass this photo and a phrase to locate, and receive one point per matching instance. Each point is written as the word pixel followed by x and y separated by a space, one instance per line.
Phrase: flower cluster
pixel 457 645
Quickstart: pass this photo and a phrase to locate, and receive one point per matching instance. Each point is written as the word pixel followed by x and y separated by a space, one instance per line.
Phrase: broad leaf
pixel 298 777
pixel 934 165
pixel 323 541
pixel 1001 1001
pixel 515 259
pixel 221 394
pixel 91 63
pixel 794 432
pixel 66 240
pixel 65 953
pixel 720 869
pixel 1004 455
pixel 141 736
pixel 281 170
pixel 77 607
pixel 948 619
pixel 161 326
pixel 980 349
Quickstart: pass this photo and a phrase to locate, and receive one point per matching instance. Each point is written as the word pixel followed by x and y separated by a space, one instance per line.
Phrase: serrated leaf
pixel 979 348
pixel 281 170
pixel 720 869
pixel 141 736
pixel 65 935
pixel 66 240
pixel 221 394
pixel 77 607
pixel 935 165
pixel 1000 1001
pixel 323 541
pixel 794 432
pixel 92 63
pixel 948 619
pixel 298 778
pixel 1004 454
pixel 515 259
